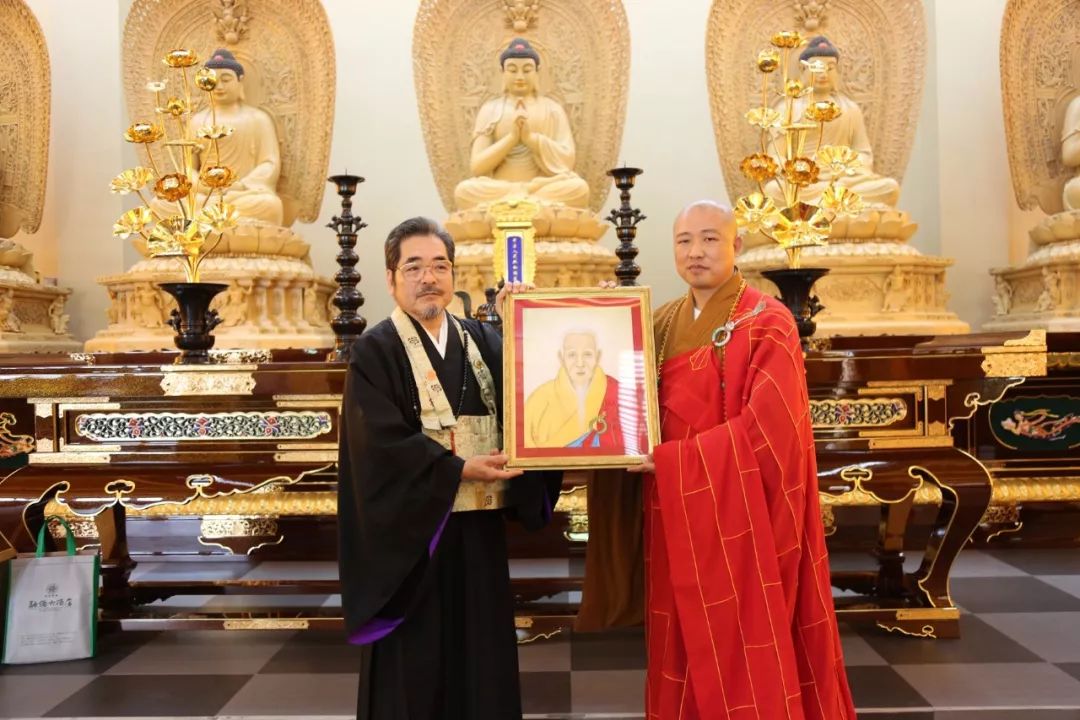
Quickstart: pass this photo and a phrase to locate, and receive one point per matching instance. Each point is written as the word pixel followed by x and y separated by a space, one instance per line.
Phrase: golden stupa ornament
pixel 179 216
pixel 780 164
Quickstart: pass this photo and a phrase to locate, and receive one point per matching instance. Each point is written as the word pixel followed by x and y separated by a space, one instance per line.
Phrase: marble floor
pixel 1018 659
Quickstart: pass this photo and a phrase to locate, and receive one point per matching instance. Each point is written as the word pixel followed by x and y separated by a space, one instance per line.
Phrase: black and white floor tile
pixel 1018 659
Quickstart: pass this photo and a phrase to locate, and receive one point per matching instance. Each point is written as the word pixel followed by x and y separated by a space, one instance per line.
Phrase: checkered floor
pixel 1019 658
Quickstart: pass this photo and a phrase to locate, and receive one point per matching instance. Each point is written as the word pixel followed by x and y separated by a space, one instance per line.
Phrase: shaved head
pixel 722 212
pixel 706 241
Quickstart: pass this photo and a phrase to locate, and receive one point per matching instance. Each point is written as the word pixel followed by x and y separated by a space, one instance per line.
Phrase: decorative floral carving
pixel 10 443
pixel 179 384
pixel 232 20
pixel 278 425
pixel 521 14
pixel 810 13
pixel 857 413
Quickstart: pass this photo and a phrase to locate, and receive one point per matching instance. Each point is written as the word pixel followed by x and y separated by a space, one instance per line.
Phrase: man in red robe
pixel 738 608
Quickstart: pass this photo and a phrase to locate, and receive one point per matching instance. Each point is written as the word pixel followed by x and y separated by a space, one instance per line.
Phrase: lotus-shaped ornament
pixel 837 160
pixel 180 58
pixel 764 118
pixel 787 39
pixel 133 222
pixel 823 111
pixel 130 181
pixel 759 167
pixel 839 200
pixel 217 176
pixel 214 132
pixel 218 217
pixel 172 187
pixel 801 225
pixel 768 60
pixel 144 133
pixel 801 171
pixel 756 212
pixel 206 79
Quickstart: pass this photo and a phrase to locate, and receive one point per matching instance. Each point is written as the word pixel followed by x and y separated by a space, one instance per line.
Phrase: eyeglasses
pixel 414 271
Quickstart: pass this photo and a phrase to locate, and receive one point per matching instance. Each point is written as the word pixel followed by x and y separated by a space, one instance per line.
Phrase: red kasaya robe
pixel 739 611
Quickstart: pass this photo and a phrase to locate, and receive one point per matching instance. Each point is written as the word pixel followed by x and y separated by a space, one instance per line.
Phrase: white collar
pixel 697 311
pixel 440 341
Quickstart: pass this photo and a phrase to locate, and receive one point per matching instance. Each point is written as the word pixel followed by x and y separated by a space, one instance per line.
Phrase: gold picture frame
pixel 579 378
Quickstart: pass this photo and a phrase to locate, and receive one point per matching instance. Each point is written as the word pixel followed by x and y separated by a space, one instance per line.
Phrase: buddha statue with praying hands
pixel 522 105
pixel 522 143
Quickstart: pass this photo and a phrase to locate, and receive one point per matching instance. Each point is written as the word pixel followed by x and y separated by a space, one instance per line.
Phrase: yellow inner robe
pixel 552 417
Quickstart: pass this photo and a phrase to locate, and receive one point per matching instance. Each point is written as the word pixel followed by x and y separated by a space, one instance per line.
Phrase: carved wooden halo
pixel 289 71
pixel 882 46
pixel 584 48
pixel 1040 74
pixel 24 113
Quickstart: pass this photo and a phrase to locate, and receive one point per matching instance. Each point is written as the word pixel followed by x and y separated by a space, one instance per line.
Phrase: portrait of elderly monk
pixel 580 406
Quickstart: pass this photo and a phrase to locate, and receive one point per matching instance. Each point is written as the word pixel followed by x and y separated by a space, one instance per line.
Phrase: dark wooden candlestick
pixel 625 220
pixel 348 325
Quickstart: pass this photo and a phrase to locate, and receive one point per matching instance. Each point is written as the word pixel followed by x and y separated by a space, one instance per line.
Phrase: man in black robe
pixel 423 495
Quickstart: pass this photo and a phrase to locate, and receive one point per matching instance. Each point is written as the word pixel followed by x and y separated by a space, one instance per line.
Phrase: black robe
pixel 435 617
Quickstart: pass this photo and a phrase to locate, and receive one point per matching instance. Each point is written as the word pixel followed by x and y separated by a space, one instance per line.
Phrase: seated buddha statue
pixel 522 142
pixel 1070 153
pixel 849 129
pixel 252 151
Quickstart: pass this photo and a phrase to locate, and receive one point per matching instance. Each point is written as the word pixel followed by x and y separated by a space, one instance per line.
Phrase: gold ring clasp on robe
pixel 600 425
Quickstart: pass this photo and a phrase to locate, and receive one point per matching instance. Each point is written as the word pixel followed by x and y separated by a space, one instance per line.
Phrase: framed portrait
pixel 580 378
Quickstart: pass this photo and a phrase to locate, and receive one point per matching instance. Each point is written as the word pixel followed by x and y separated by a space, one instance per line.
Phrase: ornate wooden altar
pixel 246 448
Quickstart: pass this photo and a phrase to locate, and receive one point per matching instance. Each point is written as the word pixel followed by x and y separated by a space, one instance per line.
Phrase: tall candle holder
pixel 349 324
pixel 625 220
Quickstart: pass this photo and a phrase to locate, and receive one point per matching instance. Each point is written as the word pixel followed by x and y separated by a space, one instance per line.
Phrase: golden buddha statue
pixel 522 142
pixel 849 129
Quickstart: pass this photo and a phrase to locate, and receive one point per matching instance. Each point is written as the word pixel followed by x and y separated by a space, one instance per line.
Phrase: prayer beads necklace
pixel 464 375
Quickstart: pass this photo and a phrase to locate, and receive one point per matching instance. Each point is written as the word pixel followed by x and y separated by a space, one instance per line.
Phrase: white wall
pixel 668 133
pixel 976 192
